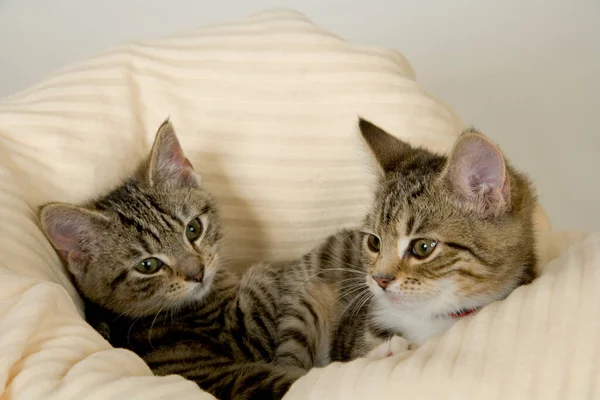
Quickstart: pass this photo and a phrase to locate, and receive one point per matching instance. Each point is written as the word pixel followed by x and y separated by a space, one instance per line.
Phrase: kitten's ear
pixel 73 231
pixel 386 148
pixel 167 164
pixel 476 173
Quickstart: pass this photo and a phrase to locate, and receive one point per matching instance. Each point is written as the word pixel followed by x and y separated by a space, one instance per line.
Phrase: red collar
pixel 463 312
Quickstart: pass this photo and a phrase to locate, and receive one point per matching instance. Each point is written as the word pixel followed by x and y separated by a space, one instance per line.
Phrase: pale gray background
pixel 526 72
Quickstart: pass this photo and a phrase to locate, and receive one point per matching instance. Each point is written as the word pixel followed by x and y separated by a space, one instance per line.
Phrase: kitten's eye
pixel 193 230
pixel 374 243
pixel 422 248
pixel 149 265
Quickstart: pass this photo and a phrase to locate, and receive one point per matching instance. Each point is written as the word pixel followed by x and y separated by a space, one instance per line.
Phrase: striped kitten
pixel 145 258
pixel 445 236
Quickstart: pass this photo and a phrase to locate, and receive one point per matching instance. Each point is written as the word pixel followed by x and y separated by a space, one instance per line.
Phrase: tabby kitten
pixel 445 236
pixel 145 258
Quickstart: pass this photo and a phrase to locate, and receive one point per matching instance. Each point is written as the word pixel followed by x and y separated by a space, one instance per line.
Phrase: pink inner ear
pixel 477 173
pixel 169 163
pixel 64 237
pixel 487 171
pixel 175 154
pixel 180 167
pixel 65 243
pixel 66 227
pixel 478 166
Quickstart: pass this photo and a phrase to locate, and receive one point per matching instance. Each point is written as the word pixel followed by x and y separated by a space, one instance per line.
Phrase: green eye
pixel 422 248
pixel 374 243
pixel 149 265
pixel 193 230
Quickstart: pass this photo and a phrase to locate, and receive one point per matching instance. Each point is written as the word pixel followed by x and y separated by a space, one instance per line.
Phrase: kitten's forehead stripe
pixel 416 191
pixel 136 252
pixel 184 209
pixel 390 207
pixel 137 223
pixel 146 246
pixel 420 226
pixel 160 212
pixel 204 210
pixel 149 241
pixel 139 210
pixel 409 225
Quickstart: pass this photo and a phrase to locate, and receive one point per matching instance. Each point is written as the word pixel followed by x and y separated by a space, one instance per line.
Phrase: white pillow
pixel 266 110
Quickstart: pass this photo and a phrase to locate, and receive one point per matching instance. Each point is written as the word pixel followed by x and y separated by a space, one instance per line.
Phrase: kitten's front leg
pixel 395 345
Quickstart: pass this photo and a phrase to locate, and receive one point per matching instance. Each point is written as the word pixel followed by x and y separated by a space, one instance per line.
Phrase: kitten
pixel 445 236
pixel 145 258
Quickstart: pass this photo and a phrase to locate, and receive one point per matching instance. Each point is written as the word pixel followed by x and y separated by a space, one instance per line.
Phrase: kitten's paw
pixel 395 345
pixel 379 352
pixel 413 346
pixel 398 345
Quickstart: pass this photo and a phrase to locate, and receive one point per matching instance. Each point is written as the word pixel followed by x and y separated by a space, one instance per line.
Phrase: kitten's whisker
pixel 349 267
pixel 347 270
pixel 356 313
pixel 357 280
pixel 345 309
pixel 129 330
pixel 353 289
pixel 323 272
pixel 152 324
pixel 355 285
pixel 306 280
pixel 354 300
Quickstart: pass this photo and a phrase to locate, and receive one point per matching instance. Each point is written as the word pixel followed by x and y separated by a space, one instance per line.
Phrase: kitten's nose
pixel 196 275
pixel 383 280
pixel 192 268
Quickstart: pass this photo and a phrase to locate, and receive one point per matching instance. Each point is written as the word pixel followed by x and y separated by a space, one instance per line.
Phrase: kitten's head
pixel 150 244
pixel 446 234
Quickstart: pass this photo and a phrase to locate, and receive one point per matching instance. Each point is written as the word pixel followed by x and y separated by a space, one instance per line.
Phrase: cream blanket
pixel 266 109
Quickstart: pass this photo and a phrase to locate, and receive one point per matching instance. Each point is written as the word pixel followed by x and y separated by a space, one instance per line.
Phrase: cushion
pixel 266 110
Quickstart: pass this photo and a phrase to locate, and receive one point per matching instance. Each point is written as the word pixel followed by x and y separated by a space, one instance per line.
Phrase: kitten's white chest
pixel 413 325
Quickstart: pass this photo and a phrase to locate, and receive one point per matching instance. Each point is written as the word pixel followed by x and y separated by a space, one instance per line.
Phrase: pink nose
pixel 383 281
pixel 198 277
